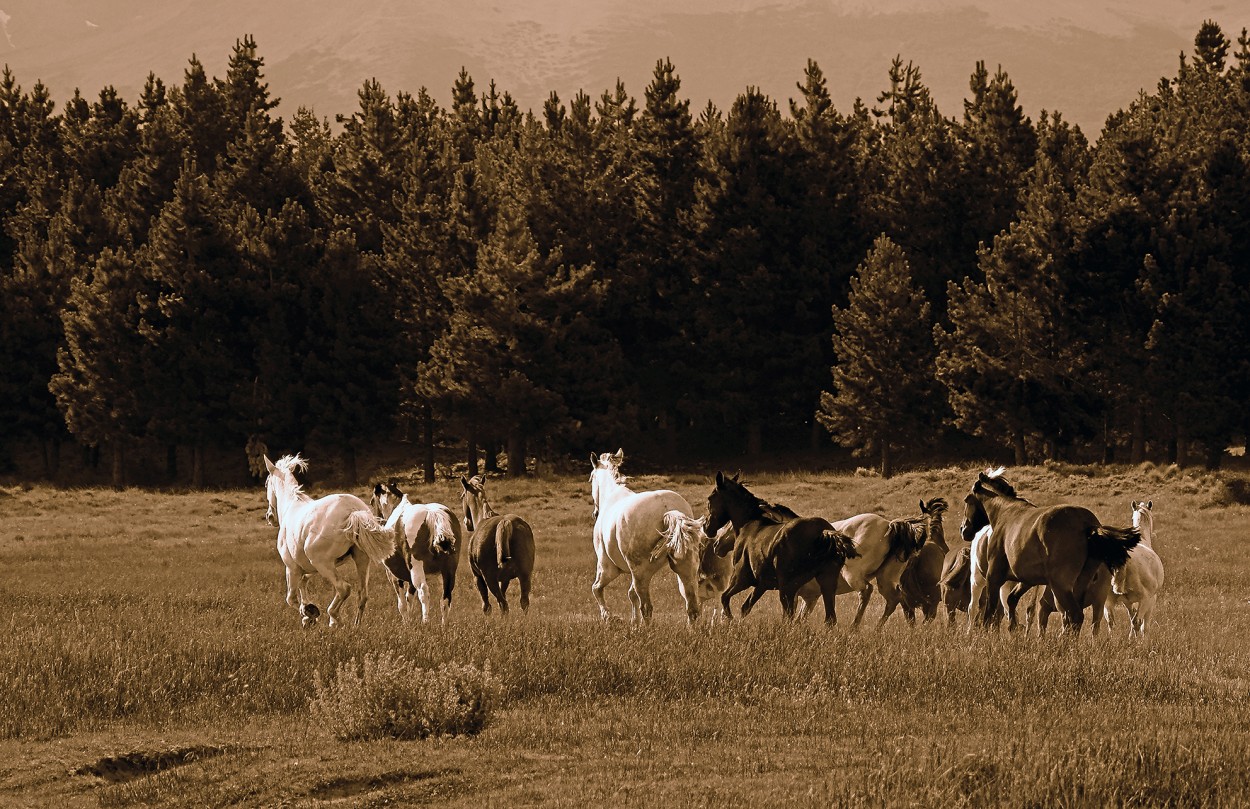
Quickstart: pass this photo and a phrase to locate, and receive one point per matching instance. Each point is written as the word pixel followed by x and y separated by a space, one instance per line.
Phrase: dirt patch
pixel 138 763
pixel 361 785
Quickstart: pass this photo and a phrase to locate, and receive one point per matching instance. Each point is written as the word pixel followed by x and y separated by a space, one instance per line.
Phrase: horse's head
pixel 604 470
pixel 975 517
pixel 718 513
pixel 473 501
pixel 281 484
pixel 1144 518
pixel 385 498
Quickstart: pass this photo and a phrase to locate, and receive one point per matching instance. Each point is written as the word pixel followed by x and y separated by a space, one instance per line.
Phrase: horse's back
pixel 633 524
pixel 870 533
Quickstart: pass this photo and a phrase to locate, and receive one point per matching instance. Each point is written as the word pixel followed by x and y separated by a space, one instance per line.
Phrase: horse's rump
pixel 957 568
pixel 370 535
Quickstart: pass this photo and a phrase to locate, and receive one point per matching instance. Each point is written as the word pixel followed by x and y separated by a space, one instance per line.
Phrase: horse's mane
pixel 992 480
pixel 772 512
pixel 288 465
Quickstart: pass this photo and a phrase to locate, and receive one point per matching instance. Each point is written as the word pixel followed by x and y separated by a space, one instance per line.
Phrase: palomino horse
pixel 1136 585
pixel 429 542
pixel 315 535
pixel 501 548
pixel 774 551
pixel 883 548
pixel 1058 546
pixel 629 537
pixel 918 586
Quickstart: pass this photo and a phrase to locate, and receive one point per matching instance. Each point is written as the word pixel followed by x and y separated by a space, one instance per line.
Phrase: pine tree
pixel 885 395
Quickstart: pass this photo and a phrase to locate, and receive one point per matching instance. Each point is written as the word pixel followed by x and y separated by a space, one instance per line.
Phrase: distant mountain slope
pixel 1084 59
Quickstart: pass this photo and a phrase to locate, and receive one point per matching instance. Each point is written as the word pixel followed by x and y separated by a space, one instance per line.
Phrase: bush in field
pixel 388 696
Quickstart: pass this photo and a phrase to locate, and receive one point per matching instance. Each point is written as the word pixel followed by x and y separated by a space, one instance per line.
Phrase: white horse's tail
pixel 679 535
pixel 442 526
pixel 370 535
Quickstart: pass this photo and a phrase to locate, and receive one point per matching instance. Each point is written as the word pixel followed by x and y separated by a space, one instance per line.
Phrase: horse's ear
pixel 1134 506
pixel 720 478
pixel 923 510
pixel 464 483
pixel 619 457
pixel 378 488
pixel 737 476
pixel 1150 504
pixel 269 464
pixel 594 461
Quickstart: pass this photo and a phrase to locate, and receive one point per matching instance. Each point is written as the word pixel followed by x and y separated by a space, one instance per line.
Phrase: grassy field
pixel 147 658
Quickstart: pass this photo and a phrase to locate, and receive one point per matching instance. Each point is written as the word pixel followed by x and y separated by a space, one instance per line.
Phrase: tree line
pixel 191 270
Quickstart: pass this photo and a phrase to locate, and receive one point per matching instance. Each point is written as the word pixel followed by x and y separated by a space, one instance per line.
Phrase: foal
pixel 501 548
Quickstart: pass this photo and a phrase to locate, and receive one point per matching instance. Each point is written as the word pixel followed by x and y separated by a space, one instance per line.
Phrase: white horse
pixel 629 537
pixel 429 543
pixel 1136 585
pixel 314 536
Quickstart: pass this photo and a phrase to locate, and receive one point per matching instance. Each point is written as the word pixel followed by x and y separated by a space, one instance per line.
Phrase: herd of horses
pixel 1053 559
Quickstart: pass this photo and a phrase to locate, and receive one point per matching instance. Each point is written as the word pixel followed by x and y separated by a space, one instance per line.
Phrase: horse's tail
pixel 904 539
pixel 442 526
pixel 680 533
pixel 1111 545
pixel 841 544
pixel 503 540
pixel 370 535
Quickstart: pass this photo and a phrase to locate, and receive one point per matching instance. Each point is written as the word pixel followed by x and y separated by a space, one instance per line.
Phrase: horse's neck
pixel 998 505
pixel 742 513
pixel 1146 527
pixel 397 513
pixel 289 501
pixel 610 491
pixel 936 534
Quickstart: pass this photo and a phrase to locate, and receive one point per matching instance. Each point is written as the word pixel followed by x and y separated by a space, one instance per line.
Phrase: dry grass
pixel 142 621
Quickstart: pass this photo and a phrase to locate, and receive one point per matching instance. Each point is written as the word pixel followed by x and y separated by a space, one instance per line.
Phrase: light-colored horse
pixel 314 536
pixel 883 547
pixel 429 542
pixel 1136 585
pixel 629 537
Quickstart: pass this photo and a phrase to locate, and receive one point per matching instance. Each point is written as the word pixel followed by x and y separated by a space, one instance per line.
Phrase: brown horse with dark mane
pixel 501 547
pixel 1060 546
pixel 918 586
pixel 773 550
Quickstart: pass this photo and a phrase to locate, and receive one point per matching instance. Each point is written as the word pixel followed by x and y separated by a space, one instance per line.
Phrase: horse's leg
pixel 640 594
pixel 739 580
pixel 417 572
pixel 342 589
pixel 1074 616
pixel 1010 596
pixel 449 584
pixel 483 591
pixel 864 595
pixel 363 563
pixel 891 594
pixel 788 592
pixel 1145 609
pixel 755 596
pixel 995 577
pixel 828 582
pixel 688 586
pixel 524 582
pixel 502 595
pixel 605 574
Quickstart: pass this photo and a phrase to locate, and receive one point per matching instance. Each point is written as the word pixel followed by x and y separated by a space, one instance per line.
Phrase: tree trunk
pixel 755 440
pixel 492 456
pixel 119 465
pixel 1215 455
pixel 516 455
pixel 472 452
pixel 349 465
pixel 51 458
pixel 1021 449
pixel 1137 453
pixel 1182 445
pixel 427 442
pixel 197 465
pixel 887 461
pixel 171 463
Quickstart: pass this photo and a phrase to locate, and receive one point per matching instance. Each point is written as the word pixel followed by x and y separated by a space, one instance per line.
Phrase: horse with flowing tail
pixel 883 547
pixel 629 538
pixel 919 585
pixel 1136 585
pixel 773 551
pixel 428 543
pixel 501 547
pixel 1057 546
pixel 314 536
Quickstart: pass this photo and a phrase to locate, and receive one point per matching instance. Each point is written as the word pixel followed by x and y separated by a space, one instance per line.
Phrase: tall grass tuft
pixel 386 696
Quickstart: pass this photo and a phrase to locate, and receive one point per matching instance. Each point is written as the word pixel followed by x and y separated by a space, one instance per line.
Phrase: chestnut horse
pixel 1057 546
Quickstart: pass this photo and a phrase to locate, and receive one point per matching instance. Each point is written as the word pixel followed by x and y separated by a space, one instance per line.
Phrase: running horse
pixel 315 536
pixel 919 586
pixel 1136 585
pixel 428 543
pixel 773 549
pixel 501 547
pixel 1057 546
pixel 634 533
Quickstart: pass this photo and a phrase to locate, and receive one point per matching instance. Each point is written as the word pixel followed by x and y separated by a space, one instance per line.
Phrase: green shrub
pixel 388 696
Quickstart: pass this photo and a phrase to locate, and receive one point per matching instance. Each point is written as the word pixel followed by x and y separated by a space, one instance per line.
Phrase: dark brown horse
pixel 773 550
pixel 1057 546
pixel 501 547
pixel 918 586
